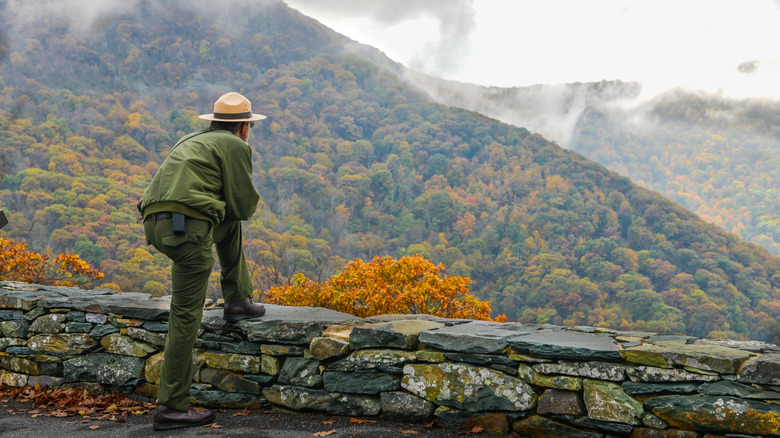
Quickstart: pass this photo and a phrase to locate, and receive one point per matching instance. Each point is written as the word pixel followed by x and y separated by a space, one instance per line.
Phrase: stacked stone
pixel 538 380
pixel 63 337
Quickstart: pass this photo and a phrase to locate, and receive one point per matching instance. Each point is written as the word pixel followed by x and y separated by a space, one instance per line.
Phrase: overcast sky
pixel 729 46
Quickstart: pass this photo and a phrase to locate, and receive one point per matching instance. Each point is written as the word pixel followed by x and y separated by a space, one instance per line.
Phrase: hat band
pixel 245 115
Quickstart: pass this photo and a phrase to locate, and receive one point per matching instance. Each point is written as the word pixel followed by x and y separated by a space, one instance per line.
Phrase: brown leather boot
pixel 242 309
pixel 165 418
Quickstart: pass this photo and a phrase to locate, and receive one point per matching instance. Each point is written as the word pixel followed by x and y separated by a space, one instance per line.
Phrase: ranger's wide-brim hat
pixel 232 107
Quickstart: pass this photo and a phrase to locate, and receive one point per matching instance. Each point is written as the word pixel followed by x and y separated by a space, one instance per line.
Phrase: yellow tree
pixel 17 263
pixel 409 285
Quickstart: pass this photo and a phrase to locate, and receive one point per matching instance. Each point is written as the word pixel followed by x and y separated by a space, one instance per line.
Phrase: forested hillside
pixel 350 163
pixel 717 156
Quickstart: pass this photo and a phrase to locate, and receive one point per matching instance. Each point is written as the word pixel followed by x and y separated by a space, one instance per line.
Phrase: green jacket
pixel 207 175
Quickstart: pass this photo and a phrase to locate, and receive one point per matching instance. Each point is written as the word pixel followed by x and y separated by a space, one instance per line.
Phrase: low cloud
pixel 455 19
pixel 81 14
pixel 552 110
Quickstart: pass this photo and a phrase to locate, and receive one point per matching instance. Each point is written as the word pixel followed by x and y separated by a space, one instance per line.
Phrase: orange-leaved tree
pixel 17 263
pixel 409 285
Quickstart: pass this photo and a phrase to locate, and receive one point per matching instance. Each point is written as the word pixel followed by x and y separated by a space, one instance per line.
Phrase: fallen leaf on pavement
pixel 360 420
pixel 241 413
pixel 213 426
pixel 73 402
pixel 329 422
pixel 96 426
pixel 474 430
pixel 409 432
pixel 330 432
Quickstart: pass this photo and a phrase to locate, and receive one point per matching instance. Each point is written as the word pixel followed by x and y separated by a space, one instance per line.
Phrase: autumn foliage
pixel 17 263
pixel 385 285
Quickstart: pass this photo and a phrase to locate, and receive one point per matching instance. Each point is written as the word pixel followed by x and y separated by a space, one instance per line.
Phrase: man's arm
pixel 240 194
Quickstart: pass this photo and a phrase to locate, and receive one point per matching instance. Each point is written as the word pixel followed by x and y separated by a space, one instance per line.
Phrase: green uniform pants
pixel 192 264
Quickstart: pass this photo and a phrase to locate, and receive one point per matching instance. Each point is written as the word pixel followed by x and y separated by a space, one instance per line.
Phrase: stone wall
pixel 538 380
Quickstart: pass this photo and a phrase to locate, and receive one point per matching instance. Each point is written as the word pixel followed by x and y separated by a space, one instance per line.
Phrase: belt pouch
pixel 177 220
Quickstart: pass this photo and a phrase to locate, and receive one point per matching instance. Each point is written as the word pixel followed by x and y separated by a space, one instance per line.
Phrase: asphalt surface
pixel 17 422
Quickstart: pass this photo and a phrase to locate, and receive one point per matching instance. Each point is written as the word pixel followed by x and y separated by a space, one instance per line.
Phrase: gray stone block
pixel 300 372
pixel 568 345
pixel 328 348
pixel 103 368
pixel 402 406
pixel 54 369
pixel 556 401
pixel 19 351
pixel 720 414
pixel 636 388
pixel 764 370
pixel 466 387
pixel 17 328
pixel 401 334
pixel 242 347
pixel 78 327
pixel 612 429
pixel 51 323
pixel 8 315
pixel 606 401
pixel 61 344
pixel 228 382
pixel 102 330
pixel 224 399
pixel 149 337
pixel 297 398
pixel 735 389
pixel 288 325
pixel 379 360
pixel 474 337
pixel 96 318
pixel 76 317
pixel 156 326
pixel 482 359
pixel 45 381
pixel 360 383
pixel 591 370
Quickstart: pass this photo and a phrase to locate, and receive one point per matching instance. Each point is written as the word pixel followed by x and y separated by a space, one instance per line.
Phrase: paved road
pixel 258 423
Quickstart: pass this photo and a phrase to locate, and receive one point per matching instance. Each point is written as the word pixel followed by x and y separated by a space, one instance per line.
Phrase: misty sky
pixel 724 46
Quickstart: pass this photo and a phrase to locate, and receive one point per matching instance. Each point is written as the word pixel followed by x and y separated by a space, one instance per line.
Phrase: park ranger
pixel 197 199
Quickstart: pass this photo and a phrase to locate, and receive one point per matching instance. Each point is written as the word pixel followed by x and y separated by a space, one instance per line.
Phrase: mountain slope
pixel 717 156
pixel 352 162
